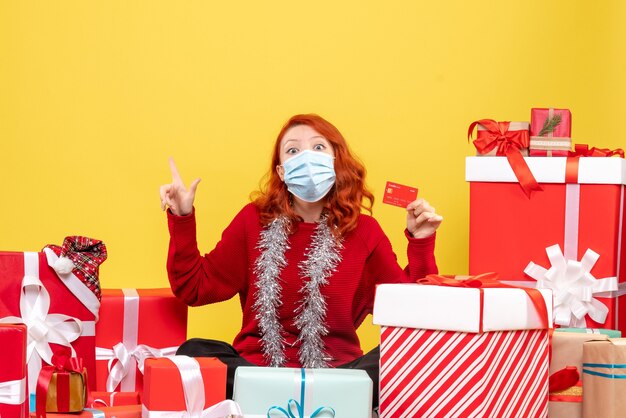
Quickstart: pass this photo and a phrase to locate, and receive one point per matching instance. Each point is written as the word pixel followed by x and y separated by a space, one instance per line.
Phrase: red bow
pixel 488 280
pixel 63 364
pixel 508 143
pixel 583 150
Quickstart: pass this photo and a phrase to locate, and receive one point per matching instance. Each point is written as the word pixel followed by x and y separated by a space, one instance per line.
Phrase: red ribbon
pixel 62 364
pixel 509 144
pixel 563 379
pixel 583 150
pixel 489 280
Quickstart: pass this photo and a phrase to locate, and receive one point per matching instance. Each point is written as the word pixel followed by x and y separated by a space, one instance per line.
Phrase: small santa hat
pixel 81 256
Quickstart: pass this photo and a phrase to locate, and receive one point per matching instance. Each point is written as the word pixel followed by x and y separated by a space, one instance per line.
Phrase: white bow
pixel 573 287
pixel 122 362
pixel 43 328
pixel 193 388
pixel 13 392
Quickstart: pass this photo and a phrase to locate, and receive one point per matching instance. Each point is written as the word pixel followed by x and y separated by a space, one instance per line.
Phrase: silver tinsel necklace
pixel 321 259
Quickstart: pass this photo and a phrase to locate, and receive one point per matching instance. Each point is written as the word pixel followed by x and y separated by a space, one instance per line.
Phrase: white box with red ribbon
pixel 458 351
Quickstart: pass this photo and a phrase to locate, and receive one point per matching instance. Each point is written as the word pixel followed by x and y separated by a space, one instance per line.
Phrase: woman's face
pixel 299 138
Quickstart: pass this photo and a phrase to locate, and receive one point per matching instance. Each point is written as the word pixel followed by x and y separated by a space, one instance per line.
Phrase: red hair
pixel 344 201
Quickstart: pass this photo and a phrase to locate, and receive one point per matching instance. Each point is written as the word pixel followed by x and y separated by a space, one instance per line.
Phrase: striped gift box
pixel 444 353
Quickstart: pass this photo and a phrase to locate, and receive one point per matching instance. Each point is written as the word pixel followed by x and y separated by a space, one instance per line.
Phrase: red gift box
pixel 106 399
pixel 135 324
pixel 462 351
pixel 554 229
pixel 58 308
pixel 13 371
pixel 182 383
pixel 547 140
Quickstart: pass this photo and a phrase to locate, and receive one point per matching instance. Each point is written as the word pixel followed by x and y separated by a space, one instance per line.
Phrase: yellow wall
pixel 94 96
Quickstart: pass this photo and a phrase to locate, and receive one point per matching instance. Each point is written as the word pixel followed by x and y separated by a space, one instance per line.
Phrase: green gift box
pixel 611 333
pixel 281 391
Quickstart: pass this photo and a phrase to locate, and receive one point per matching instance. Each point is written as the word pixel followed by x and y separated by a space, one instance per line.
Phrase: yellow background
pixel 94 96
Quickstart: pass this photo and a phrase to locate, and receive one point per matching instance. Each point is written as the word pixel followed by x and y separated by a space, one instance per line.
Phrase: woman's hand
pixel 176 196
pixel 421 219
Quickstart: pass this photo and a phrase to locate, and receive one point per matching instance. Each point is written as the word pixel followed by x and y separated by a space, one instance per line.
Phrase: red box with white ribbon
pixel 460 351
pixel 135 324
pixel 181 386
pixel 13 391
pixel 57 308
pixel 567 237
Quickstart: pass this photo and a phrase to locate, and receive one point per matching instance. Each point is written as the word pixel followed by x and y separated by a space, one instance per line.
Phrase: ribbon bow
pixel 573 287
pixel 43 328
pixel 583 150
pixel 509 144
pixel 122 360
pixel 299 406
pixel 488 280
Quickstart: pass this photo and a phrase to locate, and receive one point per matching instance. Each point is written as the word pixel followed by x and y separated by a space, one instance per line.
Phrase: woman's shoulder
pixel 368 228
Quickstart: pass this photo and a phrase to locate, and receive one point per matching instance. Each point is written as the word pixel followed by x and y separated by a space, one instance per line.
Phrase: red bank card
pixel 399 194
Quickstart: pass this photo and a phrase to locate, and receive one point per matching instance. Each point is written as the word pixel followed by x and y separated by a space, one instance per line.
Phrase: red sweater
pixel 228 270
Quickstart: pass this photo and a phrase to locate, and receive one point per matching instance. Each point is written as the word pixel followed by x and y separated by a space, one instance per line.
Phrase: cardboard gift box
pixel 135 324
pixel 264 391
pixel 13 391
pixel 455 351
pixel 604 378
pixel 59 306
pixel 106 399
pixel 62 387
pixel 567 237
pixel 181 383
pixel 123 411
pixel 497 138
pixel 611 333
pixel 550 132
pixel 567 351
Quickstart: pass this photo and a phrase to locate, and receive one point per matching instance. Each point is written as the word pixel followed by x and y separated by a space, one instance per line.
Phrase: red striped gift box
pixel 447 352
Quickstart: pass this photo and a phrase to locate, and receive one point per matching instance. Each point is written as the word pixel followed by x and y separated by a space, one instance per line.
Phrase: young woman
pixel 302 257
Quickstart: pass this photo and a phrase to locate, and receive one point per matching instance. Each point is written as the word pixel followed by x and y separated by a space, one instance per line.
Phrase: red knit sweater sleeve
pixel 214 277
pixel 382 265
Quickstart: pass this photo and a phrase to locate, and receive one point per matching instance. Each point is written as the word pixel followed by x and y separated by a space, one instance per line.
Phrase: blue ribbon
pixel 96 413
pixel 605 366
pixel 299 406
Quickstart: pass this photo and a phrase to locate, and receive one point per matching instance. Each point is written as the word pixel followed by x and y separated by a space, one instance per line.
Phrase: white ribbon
pixel 43 328
pixel 193 389
pixel 13 392
pixel 121 360
pixel 127 356
pixel 573 287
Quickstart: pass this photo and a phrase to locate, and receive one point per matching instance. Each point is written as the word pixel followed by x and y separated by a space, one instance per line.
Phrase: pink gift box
pixel 545 142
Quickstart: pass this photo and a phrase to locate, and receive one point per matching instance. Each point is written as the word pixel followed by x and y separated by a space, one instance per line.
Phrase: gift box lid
pixel 591 170
pixel 457 308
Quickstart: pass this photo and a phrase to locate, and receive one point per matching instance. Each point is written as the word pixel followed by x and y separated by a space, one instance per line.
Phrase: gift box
pixel 604 378
pixel 550 132
pixel 264 391
pixel 123 411
pixel 463 351
pixel 135 324
pixel 106 399
pixel 13 389
pixel 62 387
pixel 567 351
pixel 496 138
pixel 566 237
pixel 169 383
pixel 611 333
pixel 57 307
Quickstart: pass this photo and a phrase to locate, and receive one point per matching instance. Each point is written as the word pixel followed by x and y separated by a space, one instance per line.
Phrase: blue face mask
pixel 310 175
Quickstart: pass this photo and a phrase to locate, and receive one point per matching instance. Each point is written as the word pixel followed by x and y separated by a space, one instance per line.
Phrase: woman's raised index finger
pixel 173 169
